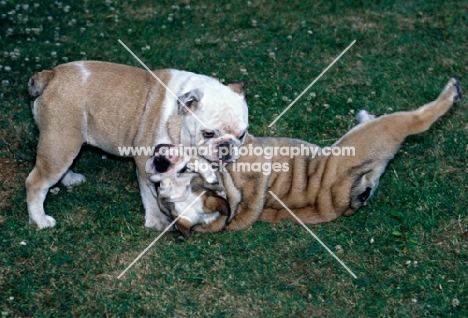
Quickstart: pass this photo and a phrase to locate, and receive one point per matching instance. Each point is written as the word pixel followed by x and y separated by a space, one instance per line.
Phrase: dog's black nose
pixel 161 164
pixel 225 150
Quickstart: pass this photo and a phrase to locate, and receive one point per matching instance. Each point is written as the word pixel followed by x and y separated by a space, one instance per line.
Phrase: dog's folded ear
pixel 189 101
pixel 237 87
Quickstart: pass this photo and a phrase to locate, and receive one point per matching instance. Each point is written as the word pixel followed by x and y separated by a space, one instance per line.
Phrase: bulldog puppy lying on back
pixel 325 186
pixel 115 107
pixel 177 189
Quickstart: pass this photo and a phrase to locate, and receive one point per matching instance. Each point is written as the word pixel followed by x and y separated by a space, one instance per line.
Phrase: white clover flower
pixel 372 240
pixel 254 23
pixel 272 55
pixel 349 101
pixel 5 83
pixel 53 54
pixel 7 68
pixel 22 243
pixel 49 18
pixel 55 190
pixel 455 302
pixel 66 9
pixel 289 37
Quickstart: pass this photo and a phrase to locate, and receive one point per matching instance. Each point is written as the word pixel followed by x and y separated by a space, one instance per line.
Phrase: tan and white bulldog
pixel 327 183
pixel 113 107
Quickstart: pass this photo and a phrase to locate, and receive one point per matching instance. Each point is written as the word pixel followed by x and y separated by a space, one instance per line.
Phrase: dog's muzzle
pixel 226 151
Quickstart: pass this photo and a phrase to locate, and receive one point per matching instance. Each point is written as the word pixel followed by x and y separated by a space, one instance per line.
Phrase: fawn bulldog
pixel 112 106
pixel 327 182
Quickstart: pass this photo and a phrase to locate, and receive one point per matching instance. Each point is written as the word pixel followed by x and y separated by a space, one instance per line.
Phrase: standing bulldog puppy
pixel 112 106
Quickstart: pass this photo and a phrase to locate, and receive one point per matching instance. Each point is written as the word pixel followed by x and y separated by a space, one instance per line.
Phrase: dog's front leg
pixel 153 215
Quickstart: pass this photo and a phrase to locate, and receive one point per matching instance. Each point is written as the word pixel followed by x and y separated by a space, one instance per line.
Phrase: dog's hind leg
pixel 423 117
pixel 54 157
pixel 375 142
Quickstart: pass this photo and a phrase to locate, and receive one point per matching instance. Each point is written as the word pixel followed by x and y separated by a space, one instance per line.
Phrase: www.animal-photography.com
pixel 233 158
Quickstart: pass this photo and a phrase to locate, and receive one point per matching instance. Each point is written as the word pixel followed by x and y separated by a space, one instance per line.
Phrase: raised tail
pixel 38 82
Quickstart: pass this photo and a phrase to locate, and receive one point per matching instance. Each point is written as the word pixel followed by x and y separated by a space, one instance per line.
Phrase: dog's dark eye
pixel 241 137
pixel 183 170
pixel 208 134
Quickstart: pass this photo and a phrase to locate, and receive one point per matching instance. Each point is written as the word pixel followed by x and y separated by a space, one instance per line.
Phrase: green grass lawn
pixel 408 246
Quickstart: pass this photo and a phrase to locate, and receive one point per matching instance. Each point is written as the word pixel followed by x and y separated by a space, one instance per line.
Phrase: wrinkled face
pixel 170 169
pixel 217 122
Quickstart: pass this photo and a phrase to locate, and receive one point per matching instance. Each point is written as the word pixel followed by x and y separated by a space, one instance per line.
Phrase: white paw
pixel 157 224
pixel 46 221
pixel 457 91
pixel 364 116
pixel 70 179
